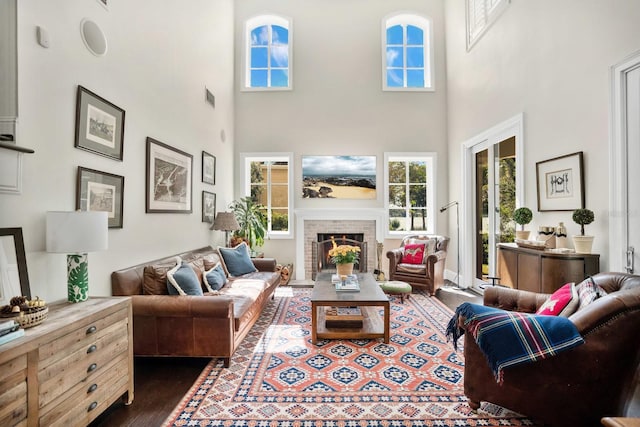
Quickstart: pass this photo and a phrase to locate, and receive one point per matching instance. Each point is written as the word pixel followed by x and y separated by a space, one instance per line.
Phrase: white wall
pixel 550 60
pixel 161 56
pixel 337 106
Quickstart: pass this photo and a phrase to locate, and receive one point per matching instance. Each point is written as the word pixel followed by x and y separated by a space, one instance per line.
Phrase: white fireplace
pixel 310 222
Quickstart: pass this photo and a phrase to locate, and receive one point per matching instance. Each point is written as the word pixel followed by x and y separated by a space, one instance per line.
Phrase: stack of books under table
pixel 343 317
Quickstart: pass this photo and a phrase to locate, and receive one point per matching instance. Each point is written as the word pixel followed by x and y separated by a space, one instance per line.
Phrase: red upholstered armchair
pixel 429 273
pixel 576 387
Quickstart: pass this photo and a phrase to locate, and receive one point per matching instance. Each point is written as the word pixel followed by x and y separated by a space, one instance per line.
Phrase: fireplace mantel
pixel 341 214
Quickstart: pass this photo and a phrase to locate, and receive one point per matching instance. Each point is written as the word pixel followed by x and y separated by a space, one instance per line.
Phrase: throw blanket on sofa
pixel 509 338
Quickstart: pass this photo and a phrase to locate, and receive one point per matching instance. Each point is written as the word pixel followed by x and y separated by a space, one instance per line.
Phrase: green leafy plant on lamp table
pixel 522 216
pixel 251 220
pixel 583 243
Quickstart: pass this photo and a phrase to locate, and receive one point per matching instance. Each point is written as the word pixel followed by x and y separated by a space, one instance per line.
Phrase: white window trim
pixel 431 159
pixel 245 165
pixel 426 24
pixel 494 12
pixel 249 25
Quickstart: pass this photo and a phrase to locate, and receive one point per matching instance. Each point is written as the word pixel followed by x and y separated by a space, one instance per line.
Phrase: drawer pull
pixel 92 406
pixel 92 367
pixel 91 330
pixel 92 388
pixel 92 349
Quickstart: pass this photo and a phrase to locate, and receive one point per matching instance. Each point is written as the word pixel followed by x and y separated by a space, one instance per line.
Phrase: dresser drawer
pixel 81 337
pixel 83 364
pixel 77 407
pixel 13 391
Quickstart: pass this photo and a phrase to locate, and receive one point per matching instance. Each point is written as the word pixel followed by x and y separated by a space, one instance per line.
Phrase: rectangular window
pixel 410 192
pixel 480 15
pixel 267 179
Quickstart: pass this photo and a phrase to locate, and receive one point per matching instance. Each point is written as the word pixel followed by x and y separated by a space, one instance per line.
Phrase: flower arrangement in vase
pixel 344 257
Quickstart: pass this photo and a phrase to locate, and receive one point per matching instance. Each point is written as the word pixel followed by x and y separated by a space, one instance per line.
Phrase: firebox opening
pixel 321 258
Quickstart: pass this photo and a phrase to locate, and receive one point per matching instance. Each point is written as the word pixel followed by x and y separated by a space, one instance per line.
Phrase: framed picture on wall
pixel 14 280
pixel 560 183
pixel 339 177
pixel 208 168
pixel 99 125
pixel 208 207
pixel 169 182
pixel 101 191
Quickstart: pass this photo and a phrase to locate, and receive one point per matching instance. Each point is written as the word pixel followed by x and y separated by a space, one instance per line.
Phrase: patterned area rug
pixel 278 378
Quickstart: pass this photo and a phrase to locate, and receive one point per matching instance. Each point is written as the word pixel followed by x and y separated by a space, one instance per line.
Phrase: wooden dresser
pixel 542 271
pixel 70 368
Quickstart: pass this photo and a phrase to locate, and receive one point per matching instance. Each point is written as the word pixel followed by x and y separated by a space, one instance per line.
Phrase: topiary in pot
pixel 522 216
pixel 583 243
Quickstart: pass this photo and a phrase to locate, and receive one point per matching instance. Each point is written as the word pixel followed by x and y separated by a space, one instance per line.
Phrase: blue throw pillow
pixel 237 260
pixel 182 280
pixel 215 278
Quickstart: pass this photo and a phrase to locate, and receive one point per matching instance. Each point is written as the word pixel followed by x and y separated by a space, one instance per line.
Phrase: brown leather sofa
pixel 430 275
pixel 212 325
pixel 576 387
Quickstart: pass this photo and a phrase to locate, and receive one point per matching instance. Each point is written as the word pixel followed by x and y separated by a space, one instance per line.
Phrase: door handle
pixel 630 260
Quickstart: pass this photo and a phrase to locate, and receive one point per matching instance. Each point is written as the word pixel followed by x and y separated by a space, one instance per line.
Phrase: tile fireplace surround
pixel 310 222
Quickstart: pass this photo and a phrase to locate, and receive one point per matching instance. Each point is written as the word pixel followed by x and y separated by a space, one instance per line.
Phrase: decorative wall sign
pixel 169 181
pixel 99 125
pixel 208 168
pixel 101 191
pixel 208 207
pixel 339 177
pixel 560 183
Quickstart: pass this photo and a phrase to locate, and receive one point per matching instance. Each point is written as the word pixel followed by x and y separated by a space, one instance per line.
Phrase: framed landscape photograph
pixel 101 191
pixel 208 168
pixel 339 177
pixel 208 207
pixel 99 125
pixel 169 181
pixel 560 183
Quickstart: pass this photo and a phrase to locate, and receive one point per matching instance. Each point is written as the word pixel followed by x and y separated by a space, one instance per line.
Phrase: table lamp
pixel 225 221
pixel 76 233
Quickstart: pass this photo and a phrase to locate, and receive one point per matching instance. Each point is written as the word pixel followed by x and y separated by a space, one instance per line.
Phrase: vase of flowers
pixel 344 257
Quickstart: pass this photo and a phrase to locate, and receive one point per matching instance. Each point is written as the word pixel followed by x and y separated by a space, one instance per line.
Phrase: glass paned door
pixel 495 201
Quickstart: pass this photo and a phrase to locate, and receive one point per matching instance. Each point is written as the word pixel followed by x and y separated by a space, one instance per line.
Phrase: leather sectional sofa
pixel 212 325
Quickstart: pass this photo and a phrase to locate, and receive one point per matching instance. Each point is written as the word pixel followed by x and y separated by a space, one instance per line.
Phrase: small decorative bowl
pixel 33 317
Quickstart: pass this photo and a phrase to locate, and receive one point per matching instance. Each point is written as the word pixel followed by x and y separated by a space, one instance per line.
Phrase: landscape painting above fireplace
pixel 339 177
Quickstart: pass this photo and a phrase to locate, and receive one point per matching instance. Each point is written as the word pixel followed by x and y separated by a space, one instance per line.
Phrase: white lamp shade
pixel 77 232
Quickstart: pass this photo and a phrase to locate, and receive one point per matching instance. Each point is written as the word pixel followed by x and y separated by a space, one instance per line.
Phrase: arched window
pixel 267 53
pixel 407 52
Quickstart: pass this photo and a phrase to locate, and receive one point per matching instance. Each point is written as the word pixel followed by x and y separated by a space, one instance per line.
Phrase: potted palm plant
pixel 583 243
pixel 522 216
pixel 251 220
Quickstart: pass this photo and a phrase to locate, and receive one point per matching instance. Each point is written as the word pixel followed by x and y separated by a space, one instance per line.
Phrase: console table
pixel 542 270
pixel 69 369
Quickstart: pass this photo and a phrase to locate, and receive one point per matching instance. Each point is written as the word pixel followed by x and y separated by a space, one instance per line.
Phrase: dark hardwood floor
pixel 160 383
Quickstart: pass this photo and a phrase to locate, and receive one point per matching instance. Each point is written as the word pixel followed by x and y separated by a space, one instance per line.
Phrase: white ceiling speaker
pixel 93 37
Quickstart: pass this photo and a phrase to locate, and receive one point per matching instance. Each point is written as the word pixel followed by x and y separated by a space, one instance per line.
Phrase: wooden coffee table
pixel 369 298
